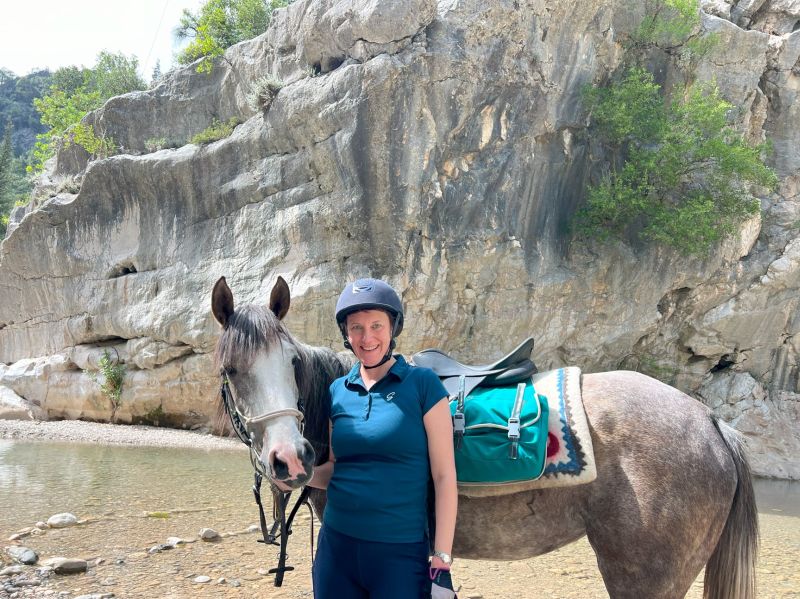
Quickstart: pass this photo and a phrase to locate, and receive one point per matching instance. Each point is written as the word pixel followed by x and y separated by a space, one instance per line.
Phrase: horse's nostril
pixel 280 469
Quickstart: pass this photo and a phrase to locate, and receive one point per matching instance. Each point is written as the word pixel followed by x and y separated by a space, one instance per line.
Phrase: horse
pixel 673 491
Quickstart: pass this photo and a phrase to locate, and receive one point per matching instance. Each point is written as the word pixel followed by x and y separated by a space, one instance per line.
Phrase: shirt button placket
pixel 368 406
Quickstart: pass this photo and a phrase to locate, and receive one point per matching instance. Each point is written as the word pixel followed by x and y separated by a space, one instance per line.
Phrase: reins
pixel 281 528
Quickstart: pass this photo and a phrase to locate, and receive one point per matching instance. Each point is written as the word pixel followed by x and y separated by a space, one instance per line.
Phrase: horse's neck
pixel 321 367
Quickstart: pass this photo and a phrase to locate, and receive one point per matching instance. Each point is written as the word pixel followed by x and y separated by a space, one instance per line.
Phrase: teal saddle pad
pixel 484 454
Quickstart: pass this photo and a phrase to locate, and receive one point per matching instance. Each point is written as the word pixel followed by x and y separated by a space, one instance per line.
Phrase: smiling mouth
pixel 369 348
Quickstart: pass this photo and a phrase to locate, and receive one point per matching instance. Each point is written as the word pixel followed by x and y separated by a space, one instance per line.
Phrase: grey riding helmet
pixel 369 294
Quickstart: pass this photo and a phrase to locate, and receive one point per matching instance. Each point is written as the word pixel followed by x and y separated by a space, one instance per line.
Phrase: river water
pixel 131 499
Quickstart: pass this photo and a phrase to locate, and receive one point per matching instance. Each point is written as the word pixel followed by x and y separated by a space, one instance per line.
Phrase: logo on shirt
pixel 390 396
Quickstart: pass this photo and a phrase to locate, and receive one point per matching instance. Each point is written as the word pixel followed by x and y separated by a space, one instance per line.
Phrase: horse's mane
pixel 252 328
pixel 319 366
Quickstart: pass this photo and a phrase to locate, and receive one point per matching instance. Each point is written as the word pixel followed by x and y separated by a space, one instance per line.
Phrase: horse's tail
pixel 730 573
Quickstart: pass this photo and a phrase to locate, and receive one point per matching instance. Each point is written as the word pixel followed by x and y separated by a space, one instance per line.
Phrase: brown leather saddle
pixel 514 368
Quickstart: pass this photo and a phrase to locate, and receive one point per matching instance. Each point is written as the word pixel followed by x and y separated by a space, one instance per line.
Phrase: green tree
pixel 6 158
pixel 679 172
pixel 6 175
pixel 156 74
pixel 219 24
pixel 16 105
pixel 75 92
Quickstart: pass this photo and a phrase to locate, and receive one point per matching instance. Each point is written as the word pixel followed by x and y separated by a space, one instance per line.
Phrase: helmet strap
pixel 385 358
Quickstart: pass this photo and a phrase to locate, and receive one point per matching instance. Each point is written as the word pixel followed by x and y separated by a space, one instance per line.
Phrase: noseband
pixel 240 422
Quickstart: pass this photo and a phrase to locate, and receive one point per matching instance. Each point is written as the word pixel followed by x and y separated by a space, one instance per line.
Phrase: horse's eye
pixel 230 371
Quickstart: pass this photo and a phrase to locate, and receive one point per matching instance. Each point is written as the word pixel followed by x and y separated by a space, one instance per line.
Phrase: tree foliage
pixel 220 24
pixel 14 185
pixel 16 105
pixel 74 92
pixel 680 173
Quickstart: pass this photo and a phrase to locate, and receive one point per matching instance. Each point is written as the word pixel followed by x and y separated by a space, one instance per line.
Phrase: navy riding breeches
pixel 350 568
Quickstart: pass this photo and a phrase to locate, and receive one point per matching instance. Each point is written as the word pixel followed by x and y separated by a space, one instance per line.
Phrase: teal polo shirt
pixel 379 486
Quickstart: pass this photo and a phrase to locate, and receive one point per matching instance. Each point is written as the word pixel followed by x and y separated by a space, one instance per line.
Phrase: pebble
pixel 62 520
pixel 175 541
pixel 11 570
pixel 66 565
pixel 202 579
pixel 160 548
pixel 23 555
pixel 41 525
pixel 96 596
pixel 209 534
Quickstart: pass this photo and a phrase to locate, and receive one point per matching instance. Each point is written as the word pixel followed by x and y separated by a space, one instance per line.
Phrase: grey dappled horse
pixel 673 491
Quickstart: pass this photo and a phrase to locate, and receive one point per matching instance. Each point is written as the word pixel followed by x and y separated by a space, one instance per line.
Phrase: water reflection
pixel 39 479
pixel 778 496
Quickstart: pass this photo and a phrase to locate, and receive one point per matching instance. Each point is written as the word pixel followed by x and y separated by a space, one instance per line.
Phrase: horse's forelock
pixel 249 330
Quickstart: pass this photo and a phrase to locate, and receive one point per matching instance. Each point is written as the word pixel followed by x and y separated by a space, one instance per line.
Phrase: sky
pixel 37 34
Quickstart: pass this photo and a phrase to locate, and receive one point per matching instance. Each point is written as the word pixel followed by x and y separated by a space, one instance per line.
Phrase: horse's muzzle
pixel 292 465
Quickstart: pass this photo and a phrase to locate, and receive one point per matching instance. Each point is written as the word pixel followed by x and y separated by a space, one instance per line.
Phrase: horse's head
pixel 257 358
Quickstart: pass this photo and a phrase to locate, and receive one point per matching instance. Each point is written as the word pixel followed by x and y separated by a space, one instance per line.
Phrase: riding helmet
pixel 369 294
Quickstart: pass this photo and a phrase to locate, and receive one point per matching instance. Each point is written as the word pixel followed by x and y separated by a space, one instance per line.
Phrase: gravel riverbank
pixel 78 431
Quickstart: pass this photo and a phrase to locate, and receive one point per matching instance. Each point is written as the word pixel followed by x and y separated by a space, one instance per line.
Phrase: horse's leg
pixel 664 488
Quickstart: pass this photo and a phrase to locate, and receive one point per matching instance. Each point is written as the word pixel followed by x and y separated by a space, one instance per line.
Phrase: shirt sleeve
pixel 431 389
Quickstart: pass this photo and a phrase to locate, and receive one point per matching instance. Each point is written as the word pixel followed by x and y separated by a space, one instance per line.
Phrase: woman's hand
pixel 441 584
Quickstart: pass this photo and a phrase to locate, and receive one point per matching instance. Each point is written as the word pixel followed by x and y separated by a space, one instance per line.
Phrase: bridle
pixel 240 422
pixel 281 526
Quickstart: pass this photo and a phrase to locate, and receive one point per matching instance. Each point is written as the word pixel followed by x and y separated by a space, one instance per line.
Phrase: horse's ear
pixel 222 302
pixel 279 299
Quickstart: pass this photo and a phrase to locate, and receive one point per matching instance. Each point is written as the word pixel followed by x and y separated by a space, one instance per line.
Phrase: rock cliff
pixel 442 146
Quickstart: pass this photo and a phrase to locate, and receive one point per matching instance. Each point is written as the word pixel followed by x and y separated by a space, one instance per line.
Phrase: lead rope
pixel 281 528
pixel 280 498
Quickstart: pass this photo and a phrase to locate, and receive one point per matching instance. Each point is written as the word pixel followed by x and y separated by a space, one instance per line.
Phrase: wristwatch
pixel 446 558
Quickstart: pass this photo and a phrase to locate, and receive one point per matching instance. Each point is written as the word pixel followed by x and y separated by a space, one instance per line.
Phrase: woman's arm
pixel 439 428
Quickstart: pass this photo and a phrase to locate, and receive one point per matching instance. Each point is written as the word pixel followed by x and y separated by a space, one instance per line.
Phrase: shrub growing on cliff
pixel 263 92
pixel 219 24
pixel 679 172
pixel 112 373
pixel 215 132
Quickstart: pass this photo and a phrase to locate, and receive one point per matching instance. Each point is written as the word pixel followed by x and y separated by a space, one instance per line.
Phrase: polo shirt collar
pixel 399 370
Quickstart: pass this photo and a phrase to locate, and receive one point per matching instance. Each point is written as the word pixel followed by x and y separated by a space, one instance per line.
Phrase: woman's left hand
pixel 441 584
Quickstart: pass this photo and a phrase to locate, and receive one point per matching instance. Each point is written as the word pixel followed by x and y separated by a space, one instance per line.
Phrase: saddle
pixel 514 368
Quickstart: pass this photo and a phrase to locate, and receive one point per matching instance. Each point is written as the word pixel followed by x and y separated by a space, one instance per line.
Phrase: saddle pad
pixel 570 457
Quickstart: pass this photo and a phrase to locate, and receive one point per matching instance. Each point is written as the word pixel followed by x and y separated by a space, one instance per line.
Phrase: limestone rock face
pixel 440 145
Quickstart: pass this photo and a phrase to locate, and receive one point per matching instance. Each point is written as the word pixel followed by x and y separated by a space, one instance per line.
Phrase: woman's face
pixel 370 333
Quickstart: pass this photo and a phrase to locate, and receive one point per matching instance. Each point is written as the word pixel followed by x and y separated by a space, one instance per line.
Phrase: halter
pixel 280 498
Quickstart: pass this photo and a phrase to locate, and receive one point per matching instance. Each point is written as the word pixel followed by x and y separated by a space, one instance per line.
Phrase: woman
pixel 391 432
